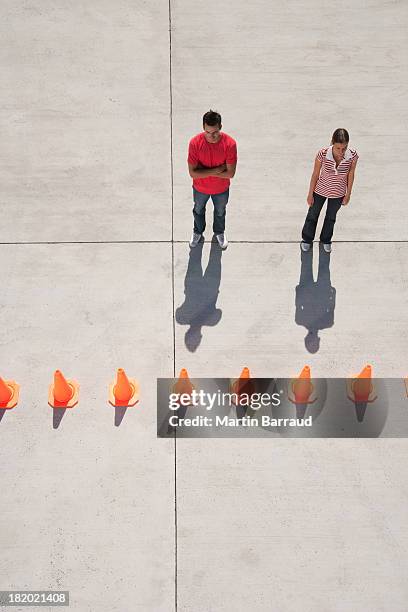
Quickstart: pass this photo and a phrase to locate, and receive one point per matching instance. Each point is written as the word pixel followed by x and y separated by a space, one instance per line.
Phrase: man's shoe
pixel 327 248
pixel 222 240
pixel 305 246
pixel 195 239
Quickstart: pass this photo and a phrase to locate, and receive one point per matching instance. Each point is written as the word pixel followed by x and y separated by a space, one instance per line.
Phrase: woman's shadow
pixel 201 294
pixel 315 301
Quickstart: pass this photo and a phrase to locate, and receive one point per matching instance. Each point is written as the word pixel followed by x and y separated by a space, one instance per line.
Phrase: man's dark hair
pixel 212 118
pixel 340 136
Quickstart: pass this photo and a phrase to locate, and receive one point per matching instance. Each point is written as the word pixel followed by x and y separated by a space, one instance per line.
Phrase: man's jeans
pixel 220 203
pixel 309 228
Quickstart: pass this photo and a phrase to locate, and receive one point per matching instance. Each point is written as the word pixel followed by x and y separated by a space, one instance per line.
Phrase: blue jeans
pixel 220 203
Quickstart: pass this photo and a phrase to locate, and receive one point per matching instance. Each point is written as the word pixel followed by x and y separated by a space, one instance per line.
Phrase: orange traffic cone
pixel 125 392
pixel 245 374
pixel 305 373
pixel 9 392
pixel 302 387
pixel 184 384
pixel 243 385
pixel 366 372
pixel 362 387
pixel 239 383
pixel 63 393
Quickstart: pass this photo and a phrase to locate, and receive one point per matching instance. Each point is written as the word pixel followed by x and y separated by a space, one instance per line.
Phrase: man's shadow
pixel 201 293
pixel 315 301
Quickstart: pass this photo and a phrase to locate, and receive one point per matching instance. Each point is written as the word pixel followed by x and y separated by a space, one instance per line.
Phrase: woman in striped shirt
pixel 332 178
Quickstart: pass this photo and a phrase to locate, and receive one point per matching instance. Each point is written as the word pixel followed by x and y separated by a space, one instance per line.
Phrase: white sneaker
pixel 222 240
pixel 327 248
pixel 195 239
pixel 305 246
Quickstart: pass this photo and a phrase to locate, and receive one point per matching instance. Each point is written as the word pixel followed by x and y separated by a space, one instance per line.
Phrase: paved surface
pixel 98 103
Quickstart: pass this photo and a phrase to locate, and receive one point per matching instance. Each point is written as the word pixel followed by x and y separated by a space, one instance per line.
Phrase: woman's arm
pixel 350 181
pixel 313 180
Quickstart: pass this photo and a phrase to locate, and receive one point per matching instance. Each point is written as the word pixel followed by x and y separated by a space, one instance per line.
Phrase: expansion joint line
pixel 173 304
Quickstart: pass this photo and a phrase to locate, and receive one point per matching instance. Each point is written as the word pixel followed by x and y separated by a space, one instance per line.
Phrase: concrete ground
pixel 99 100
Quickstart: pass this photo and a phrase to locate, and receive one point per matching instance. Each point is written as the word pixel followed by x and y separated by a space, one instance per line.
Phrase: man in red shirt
pixel 212 160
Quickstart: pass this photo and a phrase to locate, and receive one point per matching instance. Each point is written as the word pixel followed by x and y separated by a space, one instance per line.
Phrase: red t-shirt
pixel 210 155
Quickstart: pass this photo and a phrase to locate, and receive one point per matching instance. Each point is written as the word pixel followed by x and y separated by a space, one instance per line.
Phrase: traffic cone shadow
pixel 360 408
pixel 301 410
pixel 2 413
pixel 120 412
pixel 57 415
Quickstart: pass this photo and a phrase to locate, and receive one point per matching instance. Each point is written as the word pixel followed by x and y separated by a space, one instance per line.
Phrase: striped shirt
pixel 332 182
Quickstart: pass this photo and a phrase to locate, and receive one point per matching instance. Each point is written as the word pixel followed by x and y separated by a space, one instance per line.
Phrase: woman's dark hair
pixel 212 118
pixel 340 136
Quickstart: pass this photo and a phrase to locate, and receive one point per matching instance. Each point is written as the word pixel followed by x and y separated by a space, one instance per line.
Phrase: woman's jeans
pixel 309 228
pixel 220 203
